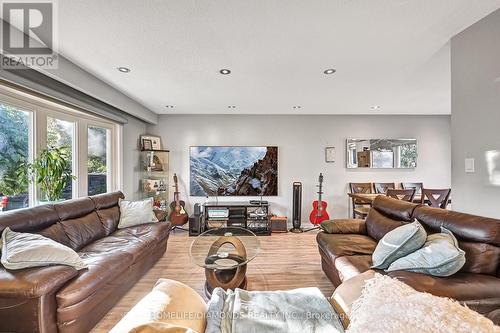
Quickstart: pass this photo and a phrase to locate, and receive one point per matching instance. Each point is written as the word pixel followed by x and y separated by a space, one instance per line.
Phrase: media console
pixel 254 217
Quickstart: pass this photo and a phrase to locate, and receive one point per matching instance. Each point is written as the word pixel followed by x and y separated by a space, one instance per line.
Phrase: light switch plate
pixel 469 165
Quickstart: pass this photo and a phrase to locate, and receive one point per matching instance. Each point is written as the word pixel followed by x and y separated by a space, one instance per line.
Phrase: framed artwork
pixel 147 144
pixel 155 142
pixel 233 170
pixel 330 154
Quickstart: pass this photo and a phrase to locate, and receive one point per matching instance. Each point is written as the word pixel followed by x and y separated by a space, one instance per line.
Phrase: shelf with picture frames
pixel 154 166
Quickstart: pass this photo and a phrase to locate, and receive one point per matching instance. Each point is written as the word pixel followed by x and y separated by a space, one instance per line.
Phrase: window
pixel 61 134
pixel 98 159
pixel 15 131
pixel 30 124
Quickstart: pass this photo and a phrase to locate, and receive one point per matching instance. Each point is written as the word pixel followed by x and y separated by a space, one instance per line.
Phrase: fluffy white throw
pixel 387 305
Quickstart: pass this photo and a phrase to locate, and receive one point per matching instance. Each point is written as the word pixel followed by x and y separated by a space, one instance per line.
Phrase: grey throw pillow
pixel 398 243
pixel 23 250
pixel 440 256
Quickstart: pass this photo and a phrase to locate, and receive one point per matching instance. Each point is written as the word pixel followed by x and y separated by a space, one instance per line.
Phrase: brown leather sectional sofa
pixel 59 298
pixel 347 253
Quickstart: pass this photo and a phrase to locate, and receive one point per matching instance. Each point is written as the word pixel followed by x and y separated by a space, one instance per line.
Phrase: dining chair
pixel 360 208
pixel 381 188
pixel 403 195
pixel 418 190
pixel 435 197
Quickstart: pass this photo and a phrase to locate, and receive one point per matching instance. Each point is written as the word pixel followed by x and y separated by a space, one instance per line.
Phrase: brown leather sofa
pixel 59 298
pixel 346 253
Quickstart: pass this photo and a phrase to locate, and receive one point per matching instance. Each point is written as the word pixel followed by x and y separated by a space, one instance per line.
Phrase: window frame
pixel 39 109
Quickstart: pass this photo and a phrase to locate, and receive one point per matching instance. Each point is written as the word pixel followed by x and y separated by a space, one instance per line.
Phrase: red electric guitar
pixel 319 213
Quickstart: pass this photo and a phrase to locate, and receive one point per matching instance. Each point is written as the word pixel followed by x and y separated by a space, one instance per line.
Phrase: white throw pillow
pixel 23 250
pixel 390 306
pixel 136 212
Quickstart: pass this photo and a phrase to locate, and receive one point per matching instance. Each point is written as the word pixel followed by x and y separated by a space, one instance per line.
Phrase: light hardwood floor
pixel 286 261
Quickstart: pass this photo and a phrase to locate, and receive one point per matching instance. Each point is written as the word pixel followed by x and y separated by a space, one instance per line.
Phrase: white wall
pixel 131 157
pixel 301 141
pixel 475 117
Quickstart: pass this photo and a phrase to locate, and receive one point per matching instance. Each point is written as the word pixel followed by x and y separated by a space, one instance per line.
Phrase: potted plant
pixel 51 172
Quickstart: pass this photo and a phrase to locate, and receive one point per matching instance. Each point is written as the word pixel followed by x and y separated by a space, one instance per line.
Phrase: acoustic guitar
pixel 178 215
pixel 319 213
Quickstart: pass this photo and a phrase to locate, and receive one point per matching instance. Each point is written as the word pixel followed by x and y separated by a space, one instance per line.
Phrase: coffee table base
pixel 225 279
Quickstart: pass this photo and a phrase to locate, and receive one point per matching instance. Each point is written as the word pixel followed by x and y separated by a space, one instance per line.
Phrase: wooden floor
pixel 286 261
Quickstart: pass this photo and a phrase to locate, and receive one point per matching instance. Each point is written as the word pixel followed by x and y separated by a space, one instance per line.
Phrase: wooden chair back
pixel 404 195
pixel 417 186
pixel 359 188
pixel 436 197
pixel 381 188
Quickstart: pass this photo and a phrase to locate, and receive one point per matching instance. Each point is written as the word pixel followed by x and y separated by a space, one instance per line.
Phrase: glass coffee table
pixel 224 253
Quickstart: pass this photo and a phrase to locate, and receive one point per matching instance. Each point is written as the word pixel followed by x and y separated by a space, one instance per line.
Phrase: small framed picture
pixel 147 144
pixel 330 154
pixel 155 142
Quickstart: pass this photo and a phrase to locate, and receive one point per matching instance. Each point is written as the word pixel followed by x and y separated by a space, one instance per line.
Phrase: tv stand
pixel 251 216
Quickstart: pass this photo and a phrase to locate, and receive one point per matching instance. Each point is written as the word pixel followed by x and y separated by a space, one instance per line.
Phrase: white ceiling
pixel 392 53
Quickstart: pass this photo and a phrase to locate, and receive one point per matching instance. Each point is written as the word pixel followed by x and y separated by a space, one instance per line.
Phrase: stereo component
pixel 217 213
pixel 279 224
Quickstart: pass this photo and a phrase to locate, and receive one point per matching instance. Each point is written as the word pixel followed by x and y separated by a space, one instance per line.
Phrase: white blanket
pixel 294 311
pixel 387 305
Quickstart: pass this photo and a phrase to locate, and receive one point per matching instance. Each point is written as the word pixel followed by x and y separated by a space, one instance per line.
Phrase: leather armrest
pixel 27 297
pixel 344 226
pixel 34 282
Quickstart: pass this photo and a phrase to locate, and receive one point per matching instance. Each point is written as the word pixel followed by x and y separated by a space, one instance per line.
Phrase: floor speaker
pixel 196 221
pixel 297 207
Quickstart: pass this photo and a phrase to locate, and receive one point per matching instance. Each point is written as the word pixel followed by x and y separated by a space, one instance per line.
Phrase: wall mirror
pixel 382 153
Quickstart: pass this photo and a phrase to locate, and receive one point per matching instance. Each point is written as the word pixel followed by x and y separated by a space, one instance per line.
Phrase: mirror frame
pixel 351 167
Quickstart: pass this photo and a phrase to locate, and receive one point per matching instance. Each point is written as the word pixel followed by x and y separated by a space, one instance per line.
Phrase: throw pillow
pixel 23 250
pixel 398 243
pixel 390 306
pixel 440 256
pixel 136 212
pixel 170 307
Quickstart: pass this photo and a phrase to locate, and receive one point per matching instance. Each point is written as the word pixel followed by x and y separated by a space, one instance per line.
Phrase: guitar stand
pixel 176 227
pixel 311 229
pixel 299 230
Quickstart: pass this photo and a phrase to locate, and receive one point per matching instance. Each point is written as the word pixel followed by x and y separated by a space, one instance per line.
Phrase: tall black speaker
pixel 296 207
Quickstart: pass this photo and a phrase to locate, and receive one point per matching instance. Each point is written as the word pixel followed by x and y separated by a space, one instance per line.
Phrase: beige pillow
pixel 160 328
pixel 23 250
pixel 170 307
pixel 136 212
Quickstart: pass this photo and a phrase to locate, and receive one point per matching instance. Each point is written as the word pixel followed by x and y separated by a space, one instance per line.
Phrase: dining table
pixel 366 198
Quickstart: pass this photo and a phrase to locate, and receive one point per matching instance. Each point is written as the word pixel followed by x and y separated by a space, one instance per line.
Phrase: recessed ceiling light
pixel 375 107
pixel 329 71
pixel 123 69
pixel 297 107
pixel 231 106
pixel 169 106
pixel 225 71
